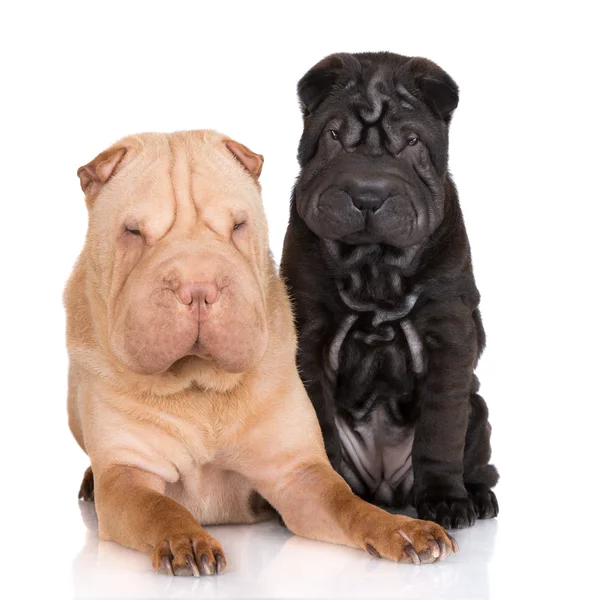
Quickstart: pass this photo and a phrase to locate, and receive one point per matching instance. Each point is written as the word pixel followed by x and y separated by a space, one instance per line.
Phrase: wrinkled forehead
pixel 376 110
pixel 181 174
pixel 206 173
pixel 377 93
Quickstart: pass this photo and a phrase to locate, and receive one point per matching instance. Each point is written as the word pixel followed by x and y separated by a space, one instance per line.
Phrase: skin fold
pixel 183 387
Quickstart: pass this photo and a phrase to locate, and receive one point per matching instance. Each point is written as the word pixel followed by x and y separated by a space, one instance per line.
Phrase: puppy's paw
pixel 484 500
pixel 86 491
pixel 450 513
pixel 189 554
pixel 407 540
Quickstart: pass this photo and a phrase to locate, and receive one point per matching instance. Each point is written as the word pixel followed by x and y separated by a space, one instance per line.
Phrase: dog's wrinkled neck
pixel 373 284
pixel 371 275
pixel 374 279
pixel 346 258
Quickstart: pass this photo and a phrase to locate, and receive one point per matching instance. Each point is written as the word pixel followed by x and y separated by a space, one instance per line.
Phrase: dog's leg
pixel 86 491
pixel 479 475
pixel 440 431
pixel 133 511
pixel 315 502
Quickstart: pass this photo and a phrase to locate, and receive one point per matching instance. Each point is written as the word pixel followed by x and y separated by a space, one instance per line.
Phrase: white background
pixel 524 154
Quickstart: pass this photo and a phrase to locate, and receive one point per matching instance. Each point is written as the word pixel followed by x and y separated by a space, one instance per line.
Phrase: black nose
pixel 369 200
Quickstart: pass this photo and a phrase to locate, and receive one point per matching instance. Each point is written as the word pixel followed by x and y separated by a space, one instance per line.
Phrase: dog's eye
pixel 133 231
pixel 413 140
pixel 238 225
pixel 334 134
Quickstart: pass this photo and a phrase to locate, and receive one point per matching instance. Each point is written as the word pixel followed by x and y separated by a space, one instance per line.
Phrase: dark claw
pixel 462 520
pixel 443 550
pixel 436 551
pixel 372 551
pixel 413 555
pixel 443 515
pixel 450 513
pixel 204 566
pixel 454 544
pixel 219 560
pixel 167 566
pixel 193 566
pixel 484 500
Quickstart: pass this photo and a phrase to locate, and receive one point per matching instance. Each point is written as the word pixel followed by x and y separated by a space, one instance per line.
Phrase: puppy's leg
pixel 315 502
pixel 133 511
pixel 479 475
pixel 440 431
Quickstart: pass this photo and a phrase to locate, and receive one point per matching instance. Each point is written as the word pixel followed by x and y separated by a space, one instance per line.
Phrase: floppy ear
pixel 439 90
pixel 317 83
pixel 251 161
pixel 96 173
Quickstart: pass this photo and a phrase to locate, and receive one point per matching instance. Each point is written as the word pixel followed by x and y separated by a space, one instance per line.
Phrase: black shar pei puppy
pixel 378 265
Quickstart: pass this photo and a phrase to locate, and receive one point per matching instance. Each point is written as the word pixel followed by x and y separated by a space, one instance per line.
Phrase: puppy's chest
pixel 374 356
pixel 377 456
pixel 374 331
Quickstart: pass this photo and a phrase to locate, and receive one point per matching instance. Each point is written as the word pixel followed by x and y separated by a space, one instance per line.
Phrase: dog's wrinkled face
pixel 177 248
pixel 374 150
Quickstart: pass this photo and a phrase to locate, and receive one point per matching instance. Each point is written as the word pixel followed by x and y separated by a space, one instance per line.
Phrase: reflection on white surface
pixel 266 561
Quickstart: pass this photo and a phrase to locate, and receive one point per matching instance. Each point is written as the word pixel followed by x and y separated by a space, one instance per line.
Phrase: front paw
pixel 484 500
pixel 407 540
pixel 189 554
pixel 449 512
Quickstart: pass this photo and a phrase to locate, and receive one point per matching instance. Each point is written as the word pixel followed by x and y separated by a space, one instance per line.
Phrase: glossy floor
pixel 514 556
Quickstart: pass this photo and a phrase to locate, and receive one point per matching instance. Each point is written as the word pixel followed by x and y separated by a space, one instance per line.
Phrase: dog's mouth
pixel 362 200
pixel 197 349
pixel 400 220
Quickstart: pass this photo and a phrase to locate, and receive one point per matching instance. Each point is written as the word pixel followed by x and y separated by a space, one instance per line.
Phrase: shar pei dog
pixel 377 262
pixel 183 387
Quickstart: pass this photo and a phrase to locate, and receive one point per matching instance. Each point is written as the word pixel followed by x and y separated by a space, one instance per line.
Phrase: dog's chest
pixel 374 330
pixel 373 358
pixel 377 457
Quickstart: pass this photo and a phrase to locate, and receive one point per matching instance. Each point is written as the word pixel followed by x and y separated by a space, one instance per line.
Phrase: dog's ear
pixel 251 161
pixel 317 83
pixel 439 90
pixel 97 172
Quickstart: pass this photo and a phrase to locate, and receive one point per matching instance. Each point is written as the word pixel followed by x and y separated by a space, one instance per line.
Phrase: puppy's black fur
pixel 378 265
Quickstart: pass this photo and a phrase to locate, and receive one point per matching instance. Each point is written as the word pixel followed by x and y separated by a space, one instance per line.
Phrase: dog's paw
pixel 450 513
pixel 407 540
pixel 484 500
pixel 86 491
pixel 189 554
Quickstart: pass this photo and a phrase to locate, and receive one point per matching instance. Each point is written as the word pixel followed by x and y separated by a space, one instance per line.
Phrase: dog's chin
pixel 361 238
pixel 189 360
pixel 197 360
